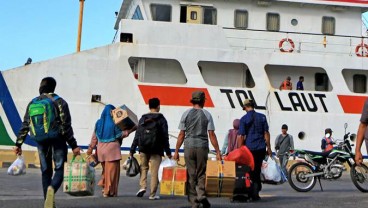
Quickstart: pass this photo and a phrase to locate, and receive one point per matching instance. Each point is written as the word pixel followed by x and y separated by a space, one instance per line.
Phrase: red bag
pixel 241 156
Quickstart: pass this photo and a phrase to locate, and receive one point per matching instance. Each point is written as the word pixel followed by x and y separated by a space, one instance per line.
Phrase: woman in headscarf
pixel 108 139
pixel 230 142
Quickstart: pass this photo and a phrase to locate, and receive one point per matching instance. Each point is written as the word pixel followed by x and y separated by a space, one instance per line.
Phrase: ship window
pixel 360 83
pixel 161 12
pixel 249 82
pixel 155 70
pixel 356 79
pixel 328 25
pixel 273 22
pixel 321 82
pixel 209 16
pixel 241 19
pixel 226 74
pixel 137 14
pixel 193 15
pixel 278 73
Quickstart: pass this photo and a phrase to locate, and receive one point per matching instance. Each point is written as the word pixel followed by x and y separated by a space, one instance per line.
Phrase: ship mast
pixel 81 5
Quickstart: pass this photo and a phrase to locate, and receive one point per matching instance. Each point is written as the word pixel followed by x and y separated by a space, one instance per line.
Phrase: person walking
pixel 286 84
pixel 195 126
pixel 253 133
pixel 230 141
pixel 283 144
pixel 327 141
pixel 362 134
pixel 152 139
pixel 51 130
pixel 299 84
pixel 108 138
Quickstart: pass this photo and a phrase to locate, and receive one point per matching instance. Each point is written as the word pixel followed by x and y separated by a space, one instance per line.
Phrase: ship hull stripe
pixel 11 111
pixel 173 96
pixel 352 104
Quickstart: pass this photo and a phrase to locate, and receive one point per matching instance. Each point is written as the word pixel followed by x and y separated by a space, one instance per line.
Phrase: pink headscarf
pixel 232 136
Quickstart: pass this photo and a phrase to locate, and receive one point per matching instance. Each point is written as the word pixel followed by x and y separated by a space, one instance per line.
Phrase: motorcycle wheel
pixel 359 176
pixel 297 179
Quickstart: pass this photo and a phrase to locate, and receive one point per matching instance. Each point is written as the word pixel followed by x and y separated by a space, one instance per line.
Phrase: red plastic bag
pixel 241 156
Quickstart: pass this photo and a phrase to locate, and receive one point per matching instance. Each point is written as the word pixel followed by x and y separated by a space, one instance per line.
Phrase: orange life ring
pixel 361 53
pixel 291 49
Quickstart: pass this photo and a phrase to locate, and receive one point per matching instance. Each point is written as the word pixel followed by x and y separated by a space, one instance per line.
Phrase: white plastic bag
pixel 18 167
pixel 165 163
pixel 126 164
pixel 271 171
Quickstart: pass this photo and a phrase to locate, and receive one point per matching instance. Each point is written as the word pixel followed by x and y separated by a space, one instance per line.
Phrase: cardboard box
pixel 174 173
pixel 180 188
pixel 220 178
pixel 79 179
pixel 180 174
pixel 173 181
pixel 177 188
pixel 124 118
pixel 166 187
pixel 168 173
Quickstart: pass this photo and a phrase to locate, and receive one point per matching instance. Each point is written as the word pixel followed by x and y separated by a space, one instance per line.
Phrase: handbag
pixel 241 156
pixel 93 160
pixel 79 178
pixel 133 167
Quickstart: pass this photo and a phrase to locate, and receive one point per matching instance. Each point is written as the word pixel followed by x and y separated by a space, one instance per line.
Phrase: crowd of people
pixel 196 130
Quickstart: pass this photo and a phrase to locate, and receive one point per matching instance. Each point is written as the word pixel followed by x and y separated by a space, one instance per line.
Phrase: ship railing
pixel 247 39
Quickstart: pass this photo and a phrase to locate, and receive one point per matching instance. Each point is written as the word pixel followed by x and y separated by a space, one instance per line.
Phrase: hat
pixel 288 78
pixel 198 96
pixel 284 126
pixel 247 102
pixel 328 130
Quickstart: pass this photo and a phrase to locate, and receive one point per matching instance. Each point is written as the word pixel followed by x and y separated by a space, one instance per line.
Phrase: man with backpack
pixel 152 139
pixel 48 120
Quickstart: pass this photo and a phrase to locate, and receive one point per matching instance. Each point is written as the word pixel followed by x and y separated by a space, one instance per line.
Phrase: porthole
pixel 294 22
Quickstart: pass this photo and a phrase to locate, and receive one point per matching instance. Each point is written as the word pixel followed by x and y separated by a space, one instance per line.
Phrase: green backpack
pixel 43 114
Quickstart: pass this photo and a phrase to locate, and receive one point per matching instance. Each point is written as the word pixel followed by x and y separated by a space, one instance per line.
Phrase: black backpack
pixel 148 131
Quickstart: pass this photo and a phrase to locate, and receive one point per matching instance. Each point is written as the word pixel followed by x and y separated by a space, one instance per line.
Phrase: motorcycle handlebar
pixel 346 135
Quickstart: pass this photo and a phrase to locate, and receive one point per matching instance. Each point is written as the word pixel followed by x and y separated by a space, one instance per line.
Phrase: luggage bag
pixel 243 184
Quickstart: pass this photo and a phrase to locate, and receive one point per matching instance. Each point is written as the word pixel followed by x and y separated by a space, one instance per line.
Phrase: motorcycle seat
pixel 323 154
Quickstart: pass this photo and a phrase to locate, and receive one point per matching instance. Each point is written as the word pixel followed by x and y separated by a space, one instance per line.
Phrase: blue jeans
pixel 54 150
pixel 284 159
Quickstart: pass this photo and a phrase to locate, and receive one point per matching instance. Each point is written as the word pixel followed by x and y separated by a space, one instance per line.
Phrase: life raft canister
pixel 291 49
pixel 364 50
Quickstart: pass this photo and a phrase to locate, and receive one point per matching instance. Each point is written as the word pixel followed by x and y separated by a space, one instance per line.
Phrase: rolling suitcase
pixel 243 184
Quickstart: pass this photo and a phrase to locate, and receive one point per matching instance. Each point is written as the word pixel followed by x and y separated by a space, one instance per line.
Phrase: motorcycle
pixel 303 175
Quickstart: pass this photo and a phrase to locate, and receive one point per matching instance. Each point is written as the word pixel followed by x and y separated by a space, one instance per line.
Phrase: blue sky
pixel 45 29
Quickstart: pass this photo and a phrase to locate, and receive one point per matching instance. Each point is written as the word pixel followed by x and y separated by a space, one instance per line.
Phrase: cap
pixel 328 130
pixel 284 126
pixel 288 78
pixel 247 102
pixel 198 96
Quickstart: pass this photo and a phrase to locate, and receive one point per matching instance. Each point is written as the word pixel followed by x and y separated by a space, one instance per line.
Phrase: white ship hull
pixel 107 71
